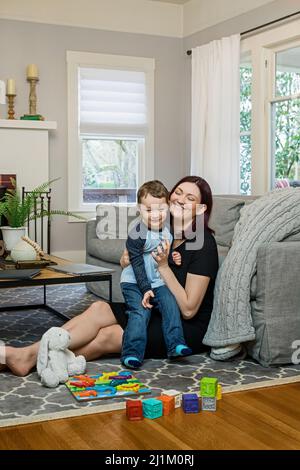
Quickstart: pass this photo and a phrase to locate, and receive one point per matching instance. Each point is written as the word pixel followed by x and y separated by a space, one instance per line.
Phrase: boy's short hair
pixel 156 188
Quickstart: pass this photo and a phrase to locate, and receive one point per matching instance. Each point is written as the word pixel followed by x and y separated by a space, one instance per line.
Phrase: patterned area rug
pixel 24 400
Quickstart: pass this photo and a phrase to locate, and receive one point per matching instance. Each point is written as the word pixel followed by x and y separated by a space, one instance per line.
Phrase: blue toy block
pixel 190 403
pixel 152 408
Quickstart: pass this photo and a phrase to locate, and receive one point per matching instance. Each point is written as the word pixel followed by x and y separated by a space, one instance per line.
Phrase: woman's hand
pixel 125 261
pixel 161 254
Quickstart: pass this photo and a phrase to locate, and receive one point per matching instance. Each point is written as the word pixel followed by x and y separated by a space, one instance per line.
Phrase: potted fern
pixel 18 212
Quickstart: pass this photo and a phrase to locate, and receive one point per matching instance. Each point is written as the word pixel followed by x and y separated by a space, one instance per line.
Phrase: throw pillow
pixel 224 216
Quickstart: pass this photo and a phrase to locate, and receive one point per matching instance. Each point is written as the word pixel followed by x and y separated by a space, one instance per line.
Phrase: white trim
pixel 81 59
pixel 23 124
pixel 128 16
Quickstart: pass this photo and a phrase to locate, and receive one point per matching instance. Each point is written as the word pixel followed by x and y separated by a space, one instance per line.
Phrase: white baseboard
pixel 74 256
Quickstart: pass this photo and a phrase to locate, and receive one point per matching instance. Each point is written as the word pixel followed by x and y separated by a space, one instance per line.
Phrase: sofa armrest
pixel 276 308
pixel 90 231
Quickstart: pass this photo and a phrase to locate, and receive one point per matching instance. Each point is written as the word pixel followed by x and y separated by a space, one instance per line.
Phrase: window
pixel 270 109
pixel 285 116
pixel 110 128
pixel 245 124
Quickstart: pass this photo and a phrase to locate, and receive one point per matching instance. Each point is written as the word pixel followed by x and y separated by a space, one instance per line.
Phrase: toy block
pixel 152 408
pixel 173 393
pixel 168 404
pixel 134 410
pixel 190 403
pixel 208 387
pixel 209 404
pixel 219 392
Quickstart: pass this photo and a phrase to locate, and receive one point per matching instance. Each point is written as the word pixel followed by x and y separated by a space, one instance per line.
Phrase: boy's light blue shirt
pixel 152 240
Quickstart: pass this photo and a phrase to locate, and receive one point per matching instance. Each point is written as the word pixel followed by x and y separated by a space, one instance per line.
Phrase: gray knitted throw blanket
pixel 271 218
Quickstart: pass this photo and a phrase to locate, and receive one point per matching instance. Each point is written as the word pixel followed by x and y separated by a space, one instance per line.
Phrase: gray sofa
pixel 275 289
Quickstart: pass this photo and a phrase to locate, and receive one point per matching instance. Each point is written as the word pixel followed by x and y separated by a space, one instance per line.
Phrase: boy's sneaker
pixel 131 362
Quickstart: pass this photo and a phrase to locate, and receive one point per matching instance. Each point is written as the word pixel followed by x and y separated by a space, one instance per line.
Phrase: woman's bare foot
pixel 21 360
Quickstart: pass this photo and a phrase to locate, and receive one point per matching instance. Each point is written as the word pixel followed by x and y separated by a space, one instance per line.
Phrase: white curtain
pixel 215 149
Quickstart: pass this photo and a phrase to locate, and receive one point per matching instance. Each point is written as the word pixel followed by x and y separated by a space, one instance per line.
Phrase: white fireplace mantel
pixel 22 124
pixel 24 150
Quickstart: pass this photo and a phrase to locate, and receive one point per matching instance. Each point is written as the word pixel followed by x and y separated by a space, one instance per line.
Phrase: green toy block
pixel 208 387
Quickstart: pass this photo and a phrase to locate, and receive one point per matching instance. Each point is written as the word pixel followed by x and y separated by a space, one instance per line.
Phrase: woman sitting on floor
pixel 98 331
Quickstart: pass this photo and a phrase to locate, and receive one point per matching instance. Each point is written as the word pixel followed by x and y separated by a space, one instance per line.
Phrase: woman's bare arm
pixel 189 298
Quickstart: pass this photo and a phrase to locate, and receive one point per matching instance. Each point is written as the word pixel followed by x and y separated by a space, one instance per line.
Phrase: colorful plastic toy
pixel 134 410
pixel 105 385
pixel 88 393
pixel 219 392
pixel 190 403
pixel 152 408
pixel 209 404
pixel 168 404
pixel 208 387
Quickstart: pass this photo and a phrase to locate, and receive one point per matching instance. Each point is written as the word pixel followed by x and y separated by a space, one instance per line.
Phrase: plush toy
pixel 55 362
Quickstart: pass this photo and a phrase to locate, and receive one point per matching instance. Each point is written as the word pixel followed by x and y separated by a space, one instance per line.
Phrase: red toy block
pixel 168 404
pixel 134 410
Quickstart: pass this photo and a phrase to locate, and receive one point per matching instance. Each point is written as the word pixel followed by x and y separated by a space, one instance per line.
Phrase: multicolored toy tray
pixel 105 385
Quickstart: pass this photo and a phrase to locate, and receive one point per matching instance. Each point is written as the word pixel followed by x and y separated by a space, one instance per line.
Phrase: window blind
pixel 112 102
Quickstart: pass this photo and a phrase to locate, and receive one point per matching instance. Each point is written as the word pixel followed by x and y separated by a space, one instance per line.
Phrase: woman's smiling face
pixel 185 200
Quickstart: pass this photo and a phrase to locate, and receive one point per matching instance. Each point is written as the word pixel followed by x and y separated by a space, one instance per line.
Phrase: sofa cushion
pixel 107 250
pixel 224 216
pixel 222 253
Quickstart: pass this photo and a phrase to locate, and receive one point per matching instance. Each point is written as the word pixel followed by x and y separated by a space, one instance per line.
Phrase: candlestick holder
pixel 11 110
pixel 32 95
pixel 32 102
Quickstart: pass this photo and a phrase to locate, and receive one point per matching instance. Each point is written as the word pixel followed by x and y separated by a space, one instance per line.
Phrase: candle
pixel 32 71
pixel 11 87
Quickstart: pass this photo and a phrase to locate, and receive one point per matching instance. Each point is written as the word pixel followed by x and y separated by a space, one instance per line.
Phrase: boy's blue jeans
pixel 135 334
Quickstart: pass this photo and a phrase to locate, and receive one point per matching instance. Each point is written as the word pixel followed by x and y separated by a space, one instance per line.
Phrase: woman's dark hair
pixel 205 195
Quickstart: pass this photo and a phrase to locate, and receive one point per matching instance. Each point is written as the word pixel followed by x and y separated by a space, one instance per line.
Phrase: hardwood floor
pixel 266 418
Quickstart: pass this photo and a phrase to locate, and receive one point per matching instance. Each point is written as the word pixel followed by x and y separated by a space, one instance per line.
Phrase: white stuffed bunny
pixel 55 362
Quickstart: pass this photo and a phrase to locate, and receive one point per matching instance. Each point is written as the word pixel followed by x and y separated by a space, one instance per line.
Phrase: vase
pixel 12 235
pixel 22 251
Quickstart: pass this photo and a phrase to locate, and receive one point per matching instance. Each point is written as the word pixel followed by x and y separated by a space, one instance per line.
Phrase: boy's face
pixel 153 211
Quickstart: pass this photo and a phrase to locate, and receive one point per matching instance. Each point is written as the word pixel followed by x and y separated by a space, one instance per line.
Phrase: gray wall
pixel 22 43
pixel 249 20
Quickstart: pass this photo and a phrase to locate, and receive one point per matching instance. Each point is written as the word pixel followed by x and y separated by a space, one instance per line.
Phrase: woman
pixel 99 330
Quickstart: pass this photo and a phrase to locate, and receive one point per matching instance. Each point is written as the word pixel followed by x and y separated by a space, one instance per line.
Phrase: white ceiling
pixel 178 2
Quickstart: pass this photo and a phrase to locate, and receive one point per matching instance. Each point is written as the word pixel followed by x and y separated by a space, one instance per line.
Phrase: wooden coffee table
pixel 48 277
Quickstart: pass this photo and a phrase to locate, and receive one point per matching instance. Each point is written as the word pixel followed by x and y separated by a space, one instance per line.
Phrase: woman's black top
pixel 201 261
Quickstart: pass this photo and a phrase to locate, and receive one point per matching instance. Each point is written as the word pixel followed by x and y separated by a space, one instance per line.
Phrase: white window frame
pixel 263 47
pixel 75 60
